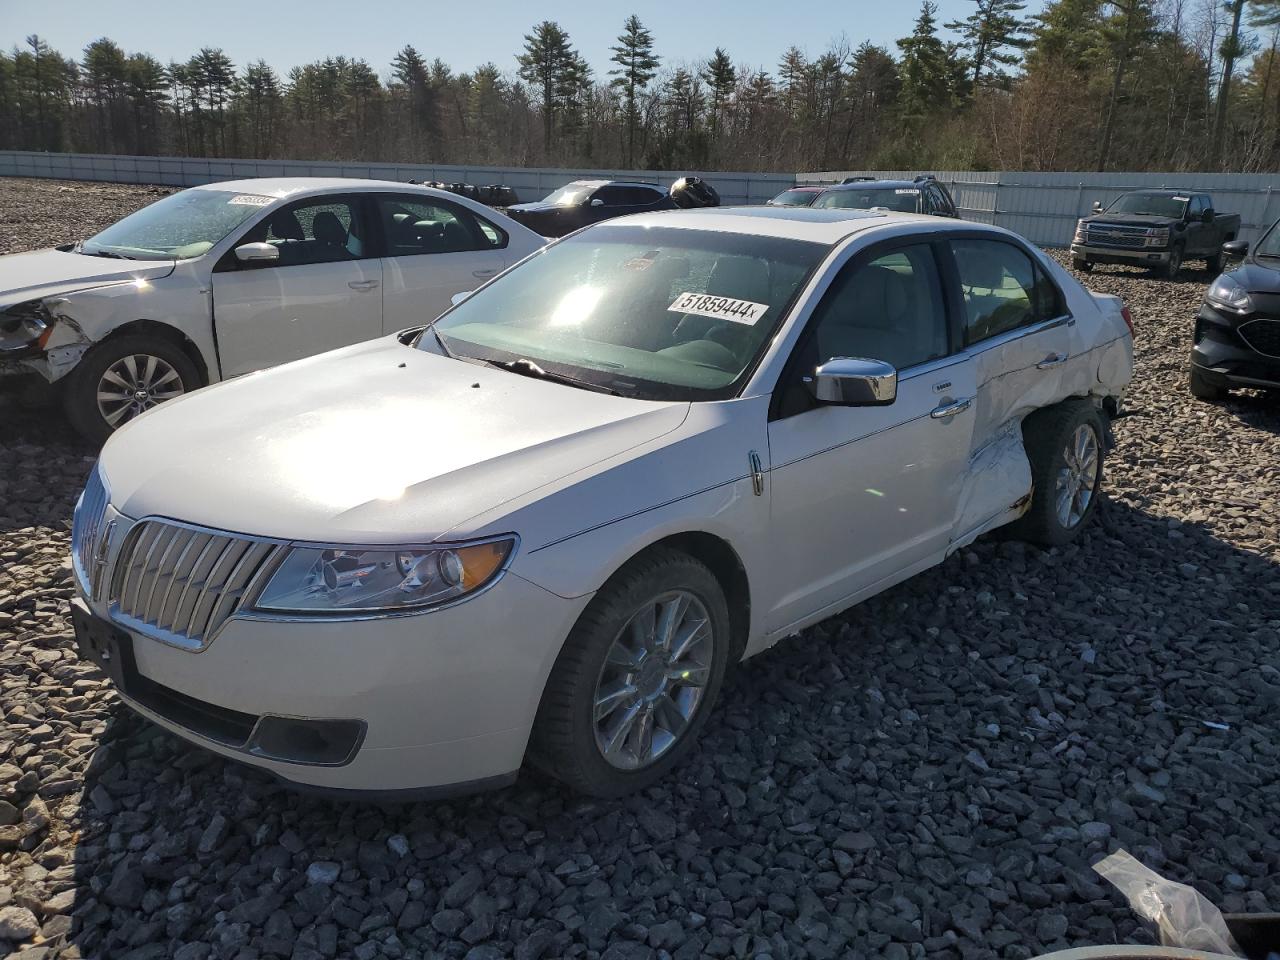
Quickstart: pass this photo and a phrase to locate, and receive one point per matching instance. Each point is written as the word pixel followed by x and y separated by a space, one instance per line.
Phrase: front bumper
pixel 1123 255
pixel 444 700
pixel 1224 358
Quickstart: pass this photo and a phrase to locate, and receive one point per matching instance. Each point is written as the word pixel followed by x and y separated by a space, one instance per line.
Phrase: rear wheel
pixel 1065 447
pixel 1202 389
pixel 123 377
pixel 1084 266
pixel 636 678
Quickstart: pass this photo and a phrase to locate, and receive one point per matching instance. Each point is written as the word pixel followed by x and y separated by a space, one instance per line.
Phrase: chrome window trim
pixel 1030 330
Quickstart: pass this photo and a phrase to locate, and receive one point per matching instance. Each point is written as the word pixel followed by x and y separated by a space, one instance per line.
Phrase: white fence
pixel 1044 207
pixel 530 184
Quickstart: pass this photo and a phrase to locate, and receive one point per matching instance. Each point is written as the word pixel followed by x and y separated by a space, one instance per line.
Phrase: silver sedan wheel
pixel 1079 475
pixel 653 678
pixel 136 383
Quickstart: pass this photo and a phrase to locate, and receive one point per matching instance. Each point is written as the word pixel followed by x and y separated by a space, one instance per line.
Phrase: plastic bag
pixel 1183 917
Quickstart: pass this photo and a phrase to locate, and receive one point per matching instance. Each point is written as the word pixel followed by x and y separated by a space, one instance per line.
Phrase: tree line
pixel 1083 85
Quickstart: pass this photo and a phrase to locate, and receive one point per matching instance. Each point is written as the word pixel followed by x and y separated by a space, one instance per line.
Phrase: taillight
pixel 1128 319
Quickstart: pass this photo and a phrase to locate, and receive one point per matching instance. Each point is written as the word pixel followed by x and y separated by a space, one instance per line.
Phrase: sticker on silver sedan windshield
pixel 250 200
pixel 721 308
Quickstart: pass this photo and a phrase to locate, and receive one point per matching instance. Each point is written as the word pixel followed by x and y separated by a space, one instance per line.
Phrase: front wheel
pixel 1065 447
pixel 1084 266
pixel 123 377
pixel 636 679
pixel 1215 263
pixel 1174 266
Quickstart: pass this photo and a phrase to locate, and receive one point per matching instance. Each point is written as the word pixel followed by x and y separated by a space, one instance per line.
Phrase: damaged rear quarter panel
pixel 1012 384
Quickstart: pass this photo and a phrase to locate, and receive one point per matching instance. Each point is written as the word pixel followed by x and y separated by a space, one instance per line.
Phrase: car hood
pixel 1130 219
pixel 1257 278
pixel 376 443
pixel 537 207
pixel 47 273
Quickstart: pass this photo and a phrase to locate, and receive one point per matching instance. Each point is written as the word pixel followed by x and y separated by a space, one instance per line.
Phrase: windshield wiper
pixel 527 368
pixel 103 253
pixel 440 340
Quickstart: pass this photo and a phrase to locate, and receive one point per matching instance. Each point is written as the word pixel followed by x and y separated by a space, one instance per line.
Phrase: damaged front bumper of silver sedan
pixel 29 342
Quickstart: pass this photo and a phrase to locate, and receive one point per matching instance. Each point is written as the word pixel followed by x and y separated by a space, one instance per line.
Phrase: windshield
pixel 1269 245
pixel 900 199
pixel 571 194
pixel 656 313
pixel 183 225
pixel 1150 205
pixel 793 198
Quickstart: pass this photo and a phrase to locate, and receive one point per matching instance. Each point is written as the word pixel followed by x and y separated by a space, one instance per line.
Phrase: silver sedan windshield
pixel 183 225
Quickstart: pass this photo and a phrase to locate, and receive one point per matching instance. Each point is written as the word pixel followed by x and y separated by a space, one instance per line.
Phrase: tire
pixel 1202 389
pixel 1215 263
pixel 1046 435
pixel 1171 269
pixel 107 366
pixel 569 741
pixel 1084 266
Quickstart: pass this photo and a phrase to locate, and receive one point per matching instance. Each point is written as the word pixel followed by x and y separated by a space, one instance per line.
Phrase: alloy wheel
pixel 134 384
pixel 1077 477
pixel 653 679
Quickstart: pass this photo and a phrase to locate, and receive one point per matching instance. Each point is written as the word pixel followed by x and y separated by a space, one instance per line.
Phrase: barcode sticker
pixel 250 200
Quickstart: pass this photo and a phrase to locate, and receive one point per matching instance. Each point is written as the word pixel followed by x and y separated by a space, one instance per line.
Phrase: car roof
pixel 879 185
pixel 281 187
pixel 1166 191
pixel 806 188
pixel 827 226
pixel 614 183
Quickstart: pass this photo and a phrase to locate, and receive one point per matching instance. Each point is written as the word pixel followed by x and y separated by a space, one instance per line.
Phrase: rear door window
pixel 414 226
pixel 1003 288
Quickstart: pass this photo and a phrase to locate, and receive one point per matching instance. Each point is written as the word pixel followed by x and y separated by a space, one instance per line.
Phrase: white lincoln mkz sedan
pixel 543 527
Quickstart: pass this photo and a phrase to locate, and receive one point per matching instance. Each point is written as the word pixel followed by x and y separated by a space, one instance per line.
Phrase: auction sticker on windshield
pixel 721 308
pixel 250 200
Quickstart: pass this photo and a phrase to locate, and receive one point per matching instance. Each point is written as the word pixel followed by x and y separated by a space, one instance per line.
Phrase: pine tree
pixel 102 80
pixel 1234 46
pixel 552 67
pixel 720 78
pixel 146 84
pixel 409 71
pixel 925 68
pixel 988 34
pixel 637 64
pixel 1130 26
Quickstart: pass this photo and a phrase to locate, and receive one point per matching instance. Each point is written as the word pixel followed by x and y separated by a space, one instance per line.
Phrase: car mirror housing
pixel 257 253
pixel 1236 249
pixel 461 295
pixel 855 382
pixel 1097 206
pixel 597 202
pixel 1207 216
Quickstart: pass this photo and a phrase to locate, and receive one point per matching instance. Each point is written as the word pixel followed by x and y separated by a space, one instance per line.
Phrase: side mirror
pixel 257 253
pixel 1097 206
pixel 1207 216
pixel 457 298
pixel 855 382
pixel 597 202
pixel 1236 249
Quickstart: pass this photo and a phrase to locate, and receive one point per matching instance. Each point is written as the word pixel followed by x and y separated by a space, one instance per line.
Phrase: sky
pixel 287 33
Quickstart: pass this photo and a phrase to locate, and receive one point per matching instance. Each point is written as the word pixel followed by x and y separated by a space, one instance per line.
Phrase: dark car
pixel 924 194
pixel 1160 229
pixel 585 202
pixel 1237 338
pixel 796 197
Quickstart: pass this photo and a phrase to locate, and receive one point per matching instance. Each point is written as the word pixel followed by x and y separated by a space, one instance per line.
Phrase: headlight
pixel 1080 233
pixel 1157 236
pixel 23 324
pixel 382 580
pixel 1227 294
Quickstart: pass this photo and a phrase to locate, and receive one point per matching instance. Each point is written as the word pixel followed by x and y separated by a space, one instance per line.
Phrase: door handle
pixel 1051 361
pixel 951 409
pixel 362 284
pixel 482 274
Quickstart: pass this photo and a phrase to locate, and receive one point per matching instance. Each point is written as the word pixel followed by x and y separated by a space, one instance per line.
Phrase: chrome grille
pixel 1263 336
pixel 1116 236
pixel 86 528
pixel 180 583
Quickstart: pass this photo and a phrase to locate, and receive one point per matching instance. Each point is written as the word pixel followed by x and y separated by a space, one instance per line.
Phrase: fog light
pixel 327 742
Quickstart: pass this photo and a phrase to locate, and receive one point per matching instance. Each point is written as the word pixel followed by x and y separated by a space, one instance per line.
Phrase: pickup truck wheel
pixel 1065 446
pixel 1202 389
pixel 1215 263
pixel 1174 266
pixel 123 377
pixel 636 679
pixel 1084 266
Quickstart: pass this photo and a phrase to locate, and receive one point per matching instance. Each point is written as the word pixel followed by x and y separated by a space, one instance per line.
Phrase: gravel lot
pixel 930 774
